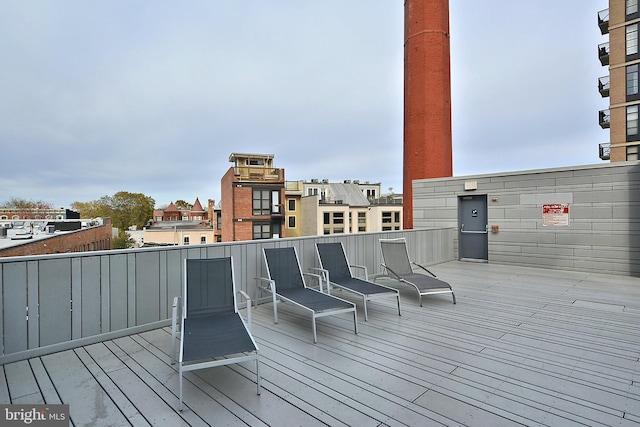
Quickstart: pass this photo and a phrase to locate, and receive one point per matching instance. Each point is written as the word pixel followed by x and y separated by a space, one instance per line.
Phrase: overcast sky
pixel 151 97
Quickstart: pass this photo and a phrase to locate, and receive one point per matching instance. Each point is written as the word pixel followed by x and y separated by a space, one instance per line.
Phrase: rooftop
pixel 523 346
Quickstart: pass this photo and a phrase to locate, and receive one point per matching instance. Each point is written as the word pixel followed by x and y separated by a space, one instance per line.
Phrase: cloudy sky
pixel 151 97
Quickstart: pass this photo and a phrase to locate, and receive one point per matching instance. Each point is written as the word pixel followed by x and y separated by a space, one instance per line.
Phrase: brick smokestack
pixel 427 96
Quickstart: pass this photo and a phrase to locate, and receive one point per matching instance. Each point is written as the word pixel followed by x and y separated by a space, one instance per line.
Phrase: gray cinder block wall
pixel 603 234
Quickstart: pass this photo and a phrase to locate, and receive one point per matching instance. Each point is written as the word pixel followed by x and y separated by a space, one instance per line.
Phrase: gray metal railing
pixel 55 302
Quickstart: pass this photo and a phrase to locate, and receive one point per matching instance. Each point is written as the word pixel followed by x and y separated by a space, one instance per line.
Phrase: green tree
pixel 123 240
pixel 183 204
pixel 125 209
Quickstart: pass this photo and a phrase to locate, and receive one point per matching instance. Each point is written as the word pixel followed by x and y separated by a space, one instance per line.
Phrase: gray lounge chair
pixel 212 331
pixel 287 282
pixel 398 266
pixel 338 273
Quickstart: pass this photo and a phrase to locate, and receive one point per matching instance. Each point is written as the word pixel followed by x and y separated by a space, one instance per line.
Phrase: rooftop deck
pixel 522 346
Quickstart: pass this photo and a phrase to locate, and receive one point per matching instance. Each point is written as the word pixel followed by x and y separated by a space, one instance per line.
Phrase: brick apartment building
pixel 252 193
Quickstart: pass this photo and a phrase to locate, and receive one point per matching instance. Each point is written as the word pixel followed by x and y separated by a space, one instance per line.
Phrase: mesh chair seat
pixel 313 299
pixel 212 336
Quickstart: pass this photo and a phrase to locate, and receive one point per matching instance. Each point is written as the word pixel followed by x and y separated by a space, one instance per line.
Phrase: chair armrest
pixel 271 283
pixel 363 268
pixel 318 277
pixel 246 296
pixel 324 274
pixel 422 268
pixel 392 273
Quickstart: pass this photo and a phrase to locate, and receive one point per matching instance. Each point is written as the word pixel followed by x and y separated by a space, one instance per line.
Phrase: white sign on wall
pixel 555 214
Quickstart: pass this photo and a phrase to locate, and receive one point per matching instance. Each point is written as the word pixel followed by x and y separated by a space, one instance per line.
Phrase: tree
pixel 125 209
pixel 25 207
pixel 181 204
pixel 123 240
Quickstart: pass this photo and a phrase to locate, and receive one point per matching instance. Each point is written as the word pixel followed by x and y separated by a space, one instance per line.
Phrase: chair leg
pixel 454 297
pixel 355 322
pixel 180 392
pixel 258 373
pixel 315 337
pixel 398 297
pixel 364 303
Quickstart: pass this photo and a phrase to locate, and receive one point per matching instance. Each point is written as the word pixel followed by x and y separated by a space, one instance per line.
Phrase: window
pixel 327 218
pixel 255 162
pixel 632 39
pixel 291 222
pixel 312 191
pixel 632 123
pixel 203 240
pixel 386 217
pixel 338 217
pixel 632 152
pixel 261 231
pixel 362 221
pixel 631 7
pixel 632 82
pixel 185 240
pixel 396 216
pixel 292 205
pixel 261 202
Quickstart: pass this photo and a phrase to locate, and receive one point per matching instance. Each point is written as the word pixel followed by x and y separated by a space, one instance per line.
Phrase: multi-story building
pixel 36 213
pixel 252 195
pixel 621 54
pixel 319 207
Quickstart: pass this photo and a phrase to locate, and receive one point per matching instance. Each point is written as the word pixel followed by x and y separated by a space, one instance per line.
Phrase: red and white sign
pixel 555 214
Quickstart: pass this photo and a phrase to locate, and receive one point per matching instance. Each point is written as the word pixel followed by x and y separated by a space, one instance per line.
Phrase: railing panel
pixel 86 291
pixel 147 286
pixel 54 305
pixel 14 307
pixel 115 295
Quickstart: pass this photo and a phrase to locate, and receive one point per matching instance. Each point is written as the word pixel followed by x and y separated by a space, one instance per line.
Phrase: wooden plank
pixel 148 381
pixel 48 390
pixel 89 403
pixel 4 388
pixel 22 385
pixel 99 360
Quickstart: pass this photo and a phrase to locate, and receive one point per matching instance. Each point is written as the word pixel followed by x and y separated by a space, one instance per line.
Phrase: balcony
pixel 604 119
pixel 603 53
pixel 523 346
pixel 604 150
pixel 603 21
pixel 603 86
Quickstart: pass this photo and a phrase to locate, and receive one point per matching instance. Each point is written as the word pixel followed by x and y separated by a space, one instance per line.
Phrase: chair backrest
pixel 333 258
pixel 395 255
pixel 209 287
pixel 283 267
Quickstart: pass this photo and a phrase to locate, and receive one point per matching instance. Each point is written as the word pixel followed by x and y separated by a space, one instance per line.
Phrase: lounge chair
pixel 287 282
pixel 398 266
pixel 212 331
pixel 337 272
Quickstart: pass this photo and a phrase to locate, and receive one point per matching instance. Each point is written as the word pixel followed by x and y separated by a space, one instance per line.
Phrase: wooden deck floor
pixel 522 346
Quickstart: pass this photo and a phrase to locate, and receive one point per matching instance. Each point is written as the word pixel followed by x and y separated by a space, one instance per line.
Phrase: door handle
pixel 462 227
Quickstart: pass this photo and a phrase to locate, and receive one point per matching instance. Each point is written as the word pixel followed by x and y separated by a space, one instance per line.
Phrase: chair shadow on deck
pixel 213 333
pixel 286 281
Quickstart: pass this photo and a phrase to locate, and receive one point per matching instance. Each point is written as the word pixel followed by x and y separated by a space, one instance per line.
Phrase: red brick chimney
pixel 427 96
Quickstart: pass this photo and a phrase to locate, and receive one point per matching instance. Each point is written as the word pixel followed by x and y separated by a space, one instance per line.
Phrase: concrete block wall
pixel 604 215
